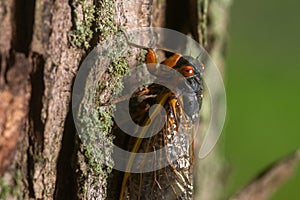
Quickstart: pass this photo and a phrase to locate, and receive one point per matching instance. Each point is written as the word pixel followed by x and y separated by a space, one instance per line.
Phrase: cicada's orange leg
pixel 151 61
pixel 150 56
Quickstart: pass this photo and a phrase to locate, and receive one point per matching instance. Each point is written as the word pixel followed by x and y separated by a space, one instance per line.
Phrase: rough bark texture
pixel 37 70
pixel 42 44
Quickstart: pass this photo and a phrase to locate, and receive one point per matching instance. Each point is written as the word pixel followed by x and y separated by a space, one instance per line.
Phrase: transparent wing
pixel 175 141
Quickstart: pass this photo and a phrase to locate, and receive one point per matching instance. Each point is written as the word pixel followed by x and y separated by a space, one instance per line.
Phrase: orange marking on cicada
pixel 150 56
pixel 173 103
pixel 172 60
pixel 151 61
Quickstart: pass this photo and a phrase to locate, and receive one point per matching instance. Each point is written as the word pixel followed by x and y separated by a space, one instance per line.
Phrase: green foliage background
pixel 263 90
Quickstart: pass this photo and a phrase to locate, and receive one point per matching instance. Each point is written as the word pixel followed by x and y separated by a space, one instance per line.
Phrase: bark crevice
pixel 24 19
pixel 65 181
pixel 37 126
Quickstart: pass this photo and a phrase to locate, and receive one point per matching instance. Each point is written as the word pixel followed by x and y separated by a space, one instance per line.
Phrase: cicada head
pixel 192 70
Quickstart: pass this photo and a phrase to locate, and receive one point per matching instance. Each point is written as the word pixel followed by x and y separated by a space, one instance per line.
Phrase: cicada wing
pixel 174 144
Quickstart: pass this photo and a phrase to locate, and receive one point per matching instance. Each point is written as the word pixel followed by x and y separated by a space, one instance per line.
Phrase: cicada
pixel 175 139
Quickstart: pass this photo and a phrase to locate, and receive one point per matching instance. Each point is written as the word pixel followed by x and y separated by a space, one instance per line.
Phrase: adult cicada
pixel 173 176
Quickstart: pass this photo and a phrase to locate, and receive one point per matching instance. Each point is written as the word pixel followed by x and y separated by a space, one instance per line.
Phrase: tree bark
pixel 42 44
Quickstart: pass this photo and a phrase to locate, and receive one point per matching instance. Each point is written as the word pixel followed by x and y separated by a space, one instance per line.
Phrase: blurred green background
pixel 263 90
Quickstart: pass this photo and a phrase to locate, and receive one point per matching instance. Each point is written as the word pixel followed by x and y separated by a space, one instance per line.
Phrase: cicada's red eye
pixel 187 71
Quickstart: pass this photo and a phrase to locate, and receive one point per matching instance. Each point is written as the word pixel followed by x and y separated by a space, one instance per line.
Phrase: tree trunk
pixel 42 44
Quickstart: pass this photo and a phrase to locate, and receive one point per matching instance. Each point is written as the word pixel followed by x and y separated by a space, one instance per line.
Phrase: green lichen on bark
pixel 94 156
pixel 91 21
pixel 10 186
pixel 84 17
pixel 98 122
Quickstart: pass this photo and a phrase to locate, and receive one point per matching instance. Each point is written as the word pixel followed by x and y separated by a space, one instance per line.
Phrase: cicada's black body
pixel 174 181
